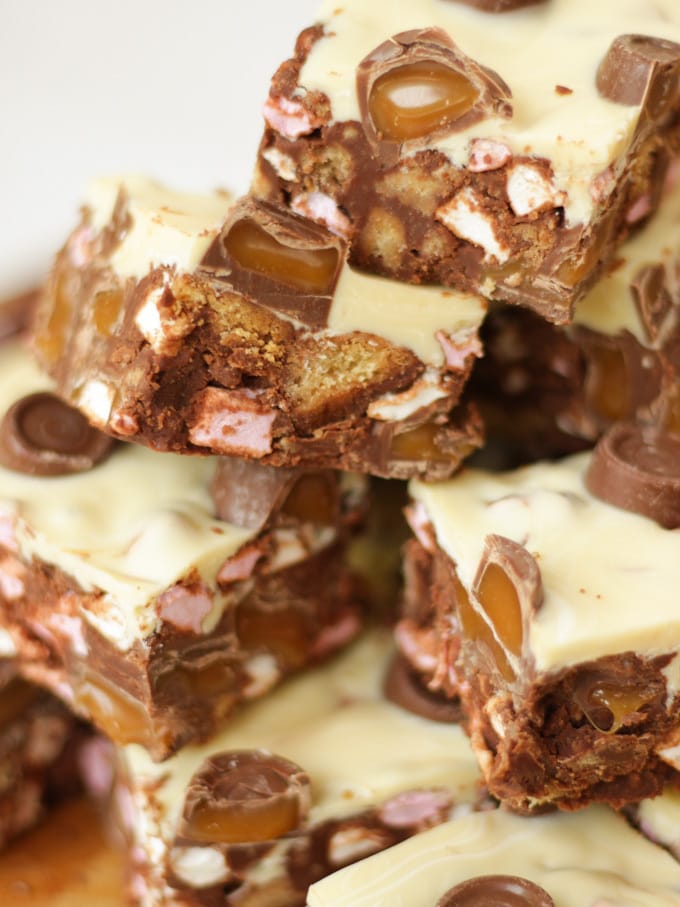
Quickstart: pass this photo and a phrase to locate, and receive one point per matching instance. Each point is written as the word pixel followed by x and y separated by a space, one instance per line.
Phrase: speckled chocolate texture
pixel 187 325
pixel 519 183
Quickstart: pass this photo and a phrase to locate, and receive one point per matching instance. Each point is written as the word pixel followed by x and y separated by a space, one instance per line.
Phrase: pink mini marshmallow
pixel 185 607
pixel 232 422
pixel 416 809
pixel 485 154
pixel 290 118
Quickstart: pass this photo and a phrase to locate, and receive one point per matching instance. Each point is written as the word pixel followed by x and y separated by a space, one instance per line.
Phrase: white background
pixel 166 87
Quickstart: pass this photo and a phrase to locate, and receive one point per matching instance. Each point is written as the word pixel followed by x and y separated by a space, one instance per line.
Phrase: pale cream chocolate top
pixel 358 748
pixel 132 526
pixel 610 307
pixel 610 577
pixel 660 819
pixel 535 49
pixel 168 227
pixel 586 859
pixel 405 315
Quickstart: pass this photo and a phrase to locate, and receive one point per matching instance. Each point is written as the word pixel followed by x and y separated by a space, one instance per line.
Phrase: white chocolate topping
pixel 610 577
pixel 557 43
pixel 586 859
pixel 405 315
pixel 168 227
pixel 358 749
pixel 659 819
pixel 132 526
pixel 609 307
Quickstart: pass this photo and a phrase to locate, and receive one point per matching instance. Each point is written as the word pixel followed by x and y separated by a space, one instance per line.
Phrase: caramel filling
pixel 52 339
pixel 121 717
pixel 307 270
pixel 573 271
pixel 107 307
pixel 418 444
pixel 247 821
pixel 414 100
pixel 607 383
pixel 498 597
pixel 312 500
pixel 476 629
pixel 281 631
pixel 607 705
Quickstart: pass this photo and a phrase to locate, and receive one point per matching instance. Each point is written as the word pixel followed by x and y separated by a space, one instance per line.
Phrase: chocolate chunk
pixel 249 494
pixel 637 468
pixel 496 890
pixel 246 493
pixel 16 313
pixel 419 84
pixel 279 259
pixel 652 299
pixel 42 435
pixel 403 687
pixel 245 797
pixel 638 69
pixel 499 6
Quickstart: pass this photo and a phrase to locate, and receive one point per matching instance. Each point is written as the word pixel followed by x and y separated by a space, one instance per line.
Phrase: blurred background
pixel 172 89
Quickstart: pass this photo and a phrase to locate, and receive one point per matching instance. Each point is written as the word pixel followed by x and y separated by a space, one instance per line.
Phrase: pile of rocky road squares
pixel 458 265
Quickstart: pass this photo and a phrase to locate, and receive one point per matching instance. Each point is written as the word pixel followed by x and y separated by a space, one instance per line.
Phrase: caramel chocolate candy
pixel 280 259
pixel 245 797
pixel 507 591
pixel 637 468
pixel 499 6
pixel 638 69
pixel 403 687
pixel 418 84
pixel 652 299
pixel 42 435
pixel 496 890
